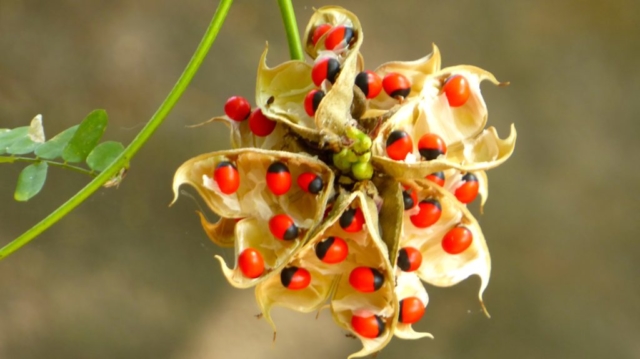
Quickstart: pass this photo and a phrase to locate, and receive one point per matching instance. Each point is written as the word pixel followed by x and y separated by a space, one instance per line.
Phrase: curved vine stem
pixel 291 28
pixel 137 143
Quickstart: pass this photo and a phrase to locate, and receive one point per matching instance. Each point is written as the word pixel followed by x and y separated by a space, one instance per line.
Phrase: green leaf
pixel 86 137
pixel 30 181
pixel 9 137
pixel 53 148
pixel 104 154
pixel 22 146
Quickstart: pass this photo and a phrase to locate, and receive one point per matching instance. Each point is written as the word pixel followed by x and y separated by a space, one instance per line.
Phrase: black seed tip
pixel 287 275
pixel 333 69
pixel 317 97
pixel 401 93
pixel 225 164
pixel 362 81
pixel 403 260
pixel 323 247
pixel 438 174
pixel 470 177
pixel 430 153
pixel 408 200
pixel 381 325
pixel 278 167
pixel 395 136
pixel 347 217
pixel 433 201
pixel 316 185
pixel 291 233
pixel 400 311
pixel 378 279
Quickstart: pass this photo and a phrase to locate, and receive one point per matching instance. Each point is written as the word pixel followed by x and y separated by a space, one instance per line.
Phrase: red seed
pixel 396 85
pixel 325 68
pixel 318 32
pixel 399 145
pixel 310 182
pixel 468 190
pixel 430 212
pixel 332 250
pixel 295 278
pixel 237 108
pixel 352 220
pixel 227 177
pixel 312 101
pixel 410 198
pixel 368 327
pixel 339 38
pixel 251 263
pixel 260 125
pixel 457 90
pixel 457 240
pixel 431 146
pixel 437 178
pixel 370 83
pixel 411 310
pixel 409 259
pixel 366 279
pixel 278 178
pixel 283 227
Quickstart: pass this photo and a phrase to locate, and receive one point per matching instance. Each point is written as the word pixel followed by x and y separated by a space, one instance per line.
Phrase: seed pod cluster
pixel 348 186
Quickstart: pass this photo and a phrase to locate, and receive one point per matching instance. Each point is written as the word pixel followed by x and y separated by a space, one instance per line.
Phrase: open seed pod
pixel 259 187
pixel 448 237
pixel 344 259
pixel 413 299
pixel 481 153
pixel 455 182
pixel 320 27
pixel 408 285
pixel 369 256
pixel 242 137
pixel 417 72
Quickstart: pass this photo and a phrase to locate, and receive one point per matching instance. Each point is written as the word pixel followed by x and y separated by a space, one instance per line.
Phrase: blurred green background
pixel 124 276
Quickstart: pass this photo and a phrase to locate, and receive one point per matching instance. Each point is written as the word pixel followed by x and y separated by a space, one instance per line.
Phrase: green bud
pixel 353 133
pixel 351 156
pixel 365 157
pixel 362 145
pixel 340 161
pixel 362 171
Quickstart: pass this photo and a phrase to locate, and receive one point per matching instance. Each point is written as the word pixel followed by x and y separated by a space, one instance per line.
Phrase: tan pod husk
pixel 242 137
pixel 409 285
pixel 370 250
pixel 481 153
pixel 333 15
pixel 254 202
pixel 222 232
pixel 438 267
pixel 417 72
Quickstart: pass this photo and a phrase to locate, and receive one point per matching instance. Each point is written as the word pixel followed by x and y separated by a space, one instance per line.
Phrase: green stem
pixel 291 28
pixel 51 163
pixel 142 137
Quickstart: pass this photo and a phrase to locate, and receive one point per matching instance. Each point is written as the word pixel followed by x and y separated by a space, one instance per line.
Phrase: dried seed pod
pixel 242 137
pixel 336 17
pixel 449 262
pixel 287 85
pixel 416 72
pixel 255 201
pixel 483 152
pixel 409 288
pixel 327 278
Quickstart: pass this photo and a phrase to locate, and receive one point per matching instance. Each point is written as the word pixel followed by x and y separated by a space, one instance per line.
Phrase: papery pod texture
pixel 344 203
